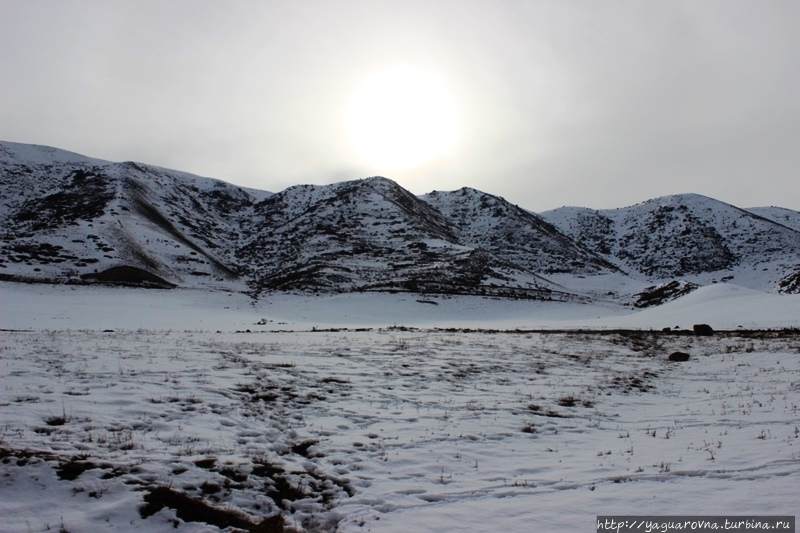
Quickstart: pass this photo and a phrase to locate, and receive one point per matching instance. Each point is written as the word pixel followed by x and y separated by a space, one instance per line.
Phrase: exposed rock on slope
pixel 659 294
pixel 686 235
pixel 65 216
pixel 489 222
pixel 70 218
pixel 790 284
pixel 370 234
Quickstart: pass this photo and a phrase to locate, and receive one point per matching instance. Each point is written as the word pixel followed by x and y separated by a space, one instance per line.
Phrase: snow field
pixel 54 307
pixel 393 429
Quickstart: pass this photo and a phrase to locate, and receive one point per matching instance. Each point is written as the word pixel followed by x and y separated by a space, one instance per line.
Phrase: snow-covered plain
pixel 114 400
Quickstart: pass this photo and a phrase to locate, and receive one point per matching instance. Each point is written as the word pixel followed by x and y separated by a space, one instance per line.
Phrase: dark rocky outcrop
pixel 790 284
pixel 678 356
pixel 129 275
pixel 703 330
pixel 659 294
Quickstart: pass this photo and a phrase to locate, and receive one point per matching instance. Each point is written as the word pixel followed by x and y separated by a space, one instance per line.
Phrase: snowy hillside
pixel 67 218
pixel 369 235
pixel 781 215
pixel 687 236
pixel 71 219
pixel 486 221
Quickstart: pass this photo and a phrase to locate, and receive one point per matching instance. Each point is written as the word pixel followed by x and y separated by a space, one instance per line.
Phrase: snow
pixel 781 215
pixel 390 427
pixel 726 305
pixel 43 155
pixel 723 305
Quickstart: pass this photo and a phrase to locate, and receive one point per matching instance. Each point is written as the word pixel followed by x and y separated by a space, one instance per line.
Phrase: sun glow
pixel 401 118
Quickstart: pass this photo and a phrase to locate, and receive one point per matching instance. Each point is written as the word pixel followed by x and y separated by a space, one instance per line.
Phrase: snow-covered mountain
pixel 491 223
pixel 781 215
pixel 370 235
pixel 689 237
pixel 67 218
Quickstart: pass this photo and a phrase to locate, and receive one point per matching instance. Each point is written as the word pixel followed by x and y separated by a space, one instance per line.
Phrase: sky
pixel 549 103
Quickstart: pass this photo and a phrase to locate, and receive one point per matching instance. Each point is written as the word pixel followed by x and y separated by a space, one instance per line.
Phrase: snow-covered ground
pixel 145 410
pixel 724 306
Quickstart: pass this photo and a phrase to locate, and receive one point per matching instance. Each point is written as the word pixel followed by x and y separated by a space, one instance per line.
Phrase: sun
pixel 402 117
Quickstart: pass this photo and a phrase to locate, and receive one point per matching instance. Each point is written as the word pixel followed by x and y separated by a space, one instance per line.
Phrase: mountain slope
pixel 493 224
pixel 781 215
pixel 72 219
pixel 67 218
pixel 370 234
pixel 687 235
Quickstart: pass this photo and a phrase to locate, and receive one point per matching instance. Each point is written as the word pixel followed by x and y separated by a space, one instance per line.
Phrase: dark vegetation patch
pixel 264 393
pixel 281 486
pixel 571 401
pixel 332 379
pixel 22 455
pixel 56 420
pixel 301 448
pixel 550 413
pixel 70 470
pixel 206 463
pixel 627 383
pixel 39 252
pixel 84 196
pixel 233 474
pixel 191 509
pixel 278 485
pixel 67 469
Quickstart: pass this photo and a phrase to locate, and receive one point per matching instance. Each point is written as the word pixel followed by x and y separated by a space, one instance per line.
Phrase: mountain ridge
pixel 68 218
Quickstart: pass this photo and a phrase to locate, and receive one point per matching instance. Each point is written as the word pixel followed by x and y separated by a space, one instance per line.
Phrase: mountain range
pixel 67 218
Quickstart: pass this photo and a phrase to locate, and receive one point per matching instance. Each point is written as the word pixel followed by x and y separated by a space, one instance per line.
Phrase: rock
pixel 660 294
pixel 703 330
pixel 790 284
pixel 128 275
pixel 678 356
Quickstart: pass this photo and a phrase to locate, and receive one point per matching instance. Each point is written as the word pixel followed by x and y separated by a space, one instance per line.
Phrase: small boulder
pixel 703 330
pixel 678 356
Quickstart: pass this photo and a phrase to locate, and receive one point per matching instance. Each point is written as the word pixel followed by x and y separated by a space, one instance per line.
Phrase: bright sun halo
pixel 402 117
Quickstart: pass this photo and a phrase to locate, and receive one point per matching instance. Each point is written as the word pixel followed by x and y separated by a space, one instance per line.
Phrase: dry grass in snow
pixel 391 429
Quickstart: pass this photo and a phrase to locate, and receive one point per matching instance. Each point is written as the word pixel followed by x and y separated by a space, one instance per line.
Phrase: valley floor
pixel 58 307
pixel 391 429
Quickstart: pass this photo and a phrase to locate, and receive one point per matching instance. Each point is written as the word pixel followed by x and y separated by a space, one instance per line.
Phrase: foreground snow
pixel 388 428
pixel 395 430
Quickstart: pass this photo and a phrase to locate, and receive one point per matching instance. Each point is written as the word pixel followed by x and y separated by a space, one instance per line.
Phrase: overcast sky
pixel 592 103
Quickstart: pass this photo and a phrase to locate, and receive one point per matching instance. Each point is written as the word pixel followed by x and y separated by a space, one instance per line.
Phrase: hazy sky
pixel 593 103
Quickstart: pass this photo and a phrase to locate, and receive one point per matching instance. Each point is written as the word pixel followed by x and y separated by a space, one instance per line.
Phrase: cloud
pixel 568 102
